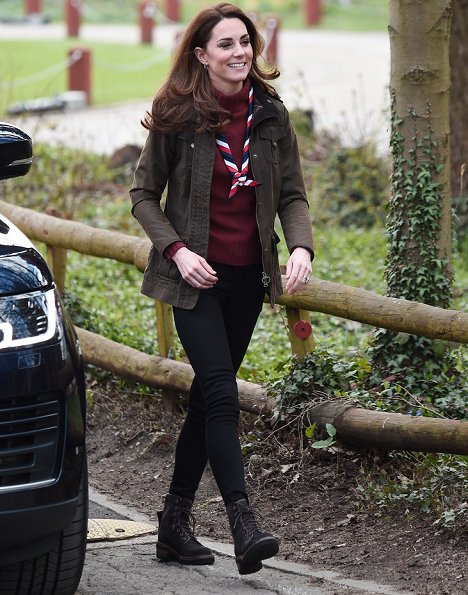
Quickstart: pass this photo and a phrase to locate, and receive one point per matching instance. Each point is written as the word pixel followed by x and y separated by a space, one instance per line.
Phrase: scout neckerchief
pixel 239 178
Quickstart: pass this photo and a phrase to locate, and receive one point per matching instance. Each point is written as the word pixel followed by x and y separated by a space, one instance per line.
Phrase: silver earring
pixel 205 65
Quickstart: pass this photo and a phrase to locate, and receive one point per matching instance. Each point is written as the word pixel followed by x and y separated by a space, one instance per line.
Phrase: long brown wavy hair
pixel 186 100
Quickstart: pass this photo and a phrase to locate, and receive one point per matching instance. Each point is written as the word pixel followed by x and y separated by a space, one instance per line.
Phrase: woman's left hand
pixel 298 270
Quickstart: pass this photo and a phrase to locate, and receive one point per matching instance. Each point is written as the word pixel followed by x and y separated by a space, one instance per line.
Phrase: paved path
pixel 342 76
pixel 129 567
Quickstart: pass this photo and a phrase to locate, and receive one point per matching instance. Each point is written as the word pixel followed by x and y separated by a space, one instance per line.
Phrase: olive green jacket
pixel 184 162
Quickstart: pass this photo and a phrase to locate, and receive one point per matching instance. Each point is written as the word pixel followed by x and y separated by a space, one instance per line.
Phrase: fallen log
pixel 156 371
pixel 356 427
pixel 392 431
pixel 345 301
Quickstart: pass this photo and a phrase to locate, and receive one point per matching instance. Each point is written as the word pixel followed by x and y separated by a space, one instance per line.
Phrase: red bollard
pixel 33 7
pixel 147 12
pixel 313 10
pixel 272 25
pixel 73 17
pixel 173 10
pixel 79 71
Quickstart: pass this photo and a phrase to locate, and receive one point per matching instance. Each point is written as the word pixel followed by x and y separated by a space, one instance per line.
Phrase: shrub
pixel 351 186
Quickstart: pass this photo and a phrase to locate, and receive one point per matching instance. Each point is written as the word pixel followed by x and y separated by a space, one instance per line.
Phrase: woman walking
pixel 221 141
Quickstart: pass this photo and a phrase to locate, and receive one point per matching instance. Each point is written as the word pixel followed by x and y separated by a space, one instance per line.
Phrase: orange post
pixel 272 25
pixel 313 11
pixel 73 17
pixel 33 7
pixel 79 71
pixel 173 10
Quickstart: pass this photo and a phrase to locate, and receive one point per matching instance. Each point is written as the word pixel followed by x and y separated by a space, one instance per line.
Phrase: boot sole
pixel 166 553
pixel 251 560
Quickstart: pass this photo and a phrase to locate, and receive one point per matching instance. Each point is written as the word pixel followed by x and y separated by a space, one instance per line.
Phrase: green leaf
pixel 309 432
pixel 331 430
pixel 323 443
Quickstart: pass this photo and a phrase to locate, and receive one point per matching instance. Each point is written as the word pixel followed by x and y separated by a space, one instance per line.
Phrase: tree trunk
pixel 459 111
pixel 420 210
pixel 420 90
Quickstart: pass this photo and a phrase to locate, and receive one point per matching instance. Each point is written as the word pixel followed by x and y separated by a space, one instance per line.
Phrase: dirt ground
pixel 311 504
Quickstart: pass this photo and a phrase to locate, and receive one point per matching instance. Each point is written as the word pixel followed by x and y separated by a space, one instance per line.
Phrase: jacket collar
pixel 264 106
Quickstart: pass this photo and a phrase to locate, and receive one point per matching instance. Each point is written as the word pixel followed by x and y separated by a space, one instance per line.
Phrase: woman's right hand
pixel 194 269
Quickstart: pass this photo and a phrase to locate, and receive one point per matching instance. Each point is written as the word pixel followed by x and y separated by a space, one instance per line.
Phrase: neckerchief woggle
pixel 239 178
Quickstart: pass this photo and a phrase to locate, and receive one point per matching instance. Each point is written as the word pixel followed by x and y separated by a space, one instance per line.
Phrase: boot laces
pixel 183 522
pixel 247 520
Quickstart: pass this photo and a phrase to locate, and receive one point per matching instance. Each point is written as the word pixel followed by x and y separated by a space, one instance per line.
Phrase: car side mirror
pixel 15 151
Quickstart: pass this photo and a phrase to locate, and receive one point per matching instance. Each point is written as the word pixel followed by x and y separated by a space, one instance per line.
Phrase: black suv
pixel 43 472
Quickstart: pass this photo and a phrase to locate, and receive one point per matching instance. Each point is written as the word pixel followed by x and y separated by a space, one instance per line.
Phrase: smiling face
pixel 228 55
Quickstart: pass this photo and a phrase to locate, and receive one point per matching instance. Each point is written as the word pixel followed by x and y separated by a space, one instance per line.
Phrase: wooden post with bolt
pixel 147 15
pixel 300 332
pixel 79 71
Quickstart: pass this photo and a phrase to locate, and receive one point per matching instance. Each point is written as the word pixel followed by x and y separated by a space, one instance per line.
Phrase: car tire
pixel 57 572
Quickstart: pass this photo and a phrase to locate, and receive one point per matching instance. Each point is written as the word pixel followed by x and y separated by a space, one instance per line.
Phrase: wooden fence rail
pixel 354 425
pixel 319 296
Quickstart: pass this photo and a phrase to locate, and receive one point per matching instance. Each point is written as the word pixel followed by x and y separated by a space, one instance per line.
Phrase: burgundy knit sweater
pixel 234 235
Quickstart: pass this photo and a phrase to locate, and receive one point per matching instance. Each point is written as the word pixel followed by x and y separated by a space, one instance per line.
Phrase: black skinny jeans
pixel 215 336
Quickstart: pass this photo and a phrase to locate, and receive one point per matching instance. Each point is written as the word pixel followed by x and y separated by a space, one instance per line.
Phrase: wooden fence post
pixel 313 12
pixel 147 12
pixel 73 17
pixel 165 336
pixel 33 7
pixel 57 261
pixel 272 25
pixel 300 332
pixel 173 10
pixel 79 72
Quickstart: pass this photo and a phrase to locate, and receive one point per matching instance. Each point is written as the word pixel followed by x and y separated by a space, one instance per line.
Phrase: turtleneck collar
pixel 233 99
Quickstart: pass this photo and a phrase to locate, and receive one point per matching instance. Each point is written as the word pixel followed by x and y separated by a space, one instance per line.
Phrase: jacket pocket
pixel 158 265
pixel 185 147
pixel 270 138
pixel 275 240
pixel 168 268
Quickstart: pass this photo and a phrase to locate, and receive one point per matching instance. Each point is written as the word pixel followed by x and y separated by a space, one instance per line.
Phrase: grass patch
pixel 119 72
pixel 359 15
pixel 93 11
pixel 103 296
pixel 99 291
pixel 83 187
pixel 30 69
